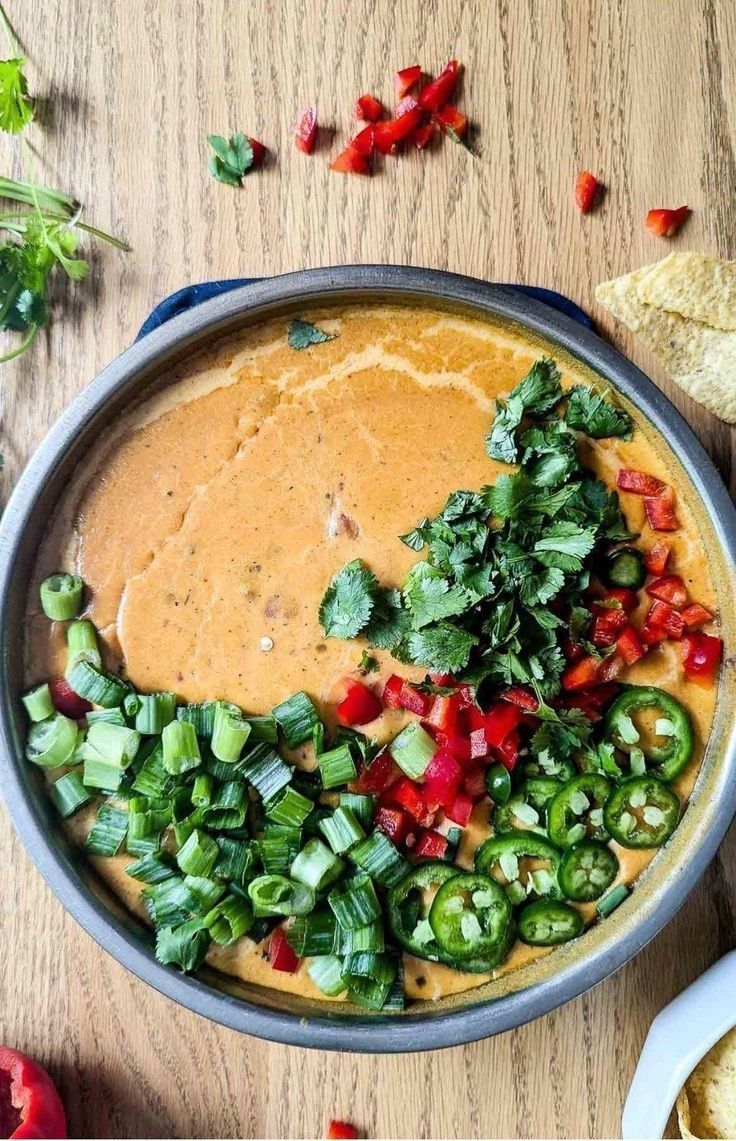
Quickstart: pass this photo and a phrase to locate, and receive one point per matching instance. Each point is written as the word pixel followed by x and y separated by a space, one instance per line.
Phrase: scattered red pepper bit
pixel 587 191
pixel 379 775
pixel 669 588
pixel 665 223
pixel 280 955
pixel 389 134
pixel 351 161
pixel 340 1131
pixel 423 135
pixel 405 79
pixel 364 141
pixel 620 596
pixel 662 616
pixel 30 1105
pixel 440 91
pixel 701 656
pixel 432 845
pixel 452 122
pixel 393 822
pixel 359 706
pixel 661 511
pixel 66 700
pixel 368 108
pixel 259 151
pixel 408 103
pixel 306 130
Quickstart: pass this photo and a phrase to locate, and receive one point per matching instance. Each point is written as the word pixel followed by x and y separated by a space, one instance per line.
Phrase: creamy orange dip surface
pixel 215 514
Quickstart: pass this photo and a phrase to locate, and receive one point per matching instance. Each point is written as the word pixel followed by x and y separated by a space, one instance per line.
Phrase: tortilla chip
pixel 706 1106
pixel 695 286
pixel 700 359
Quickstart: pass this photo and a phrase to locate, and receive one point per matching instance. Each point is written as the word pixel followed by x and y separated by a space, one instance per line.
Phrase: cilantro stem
pixel 24 344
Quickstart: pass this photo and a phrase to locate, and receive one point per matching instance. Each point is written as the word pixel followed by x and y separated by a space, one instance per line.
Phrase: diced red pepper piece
pixel 664 617
pixel 639 482
pixel 452 120
pixel 442 778
pixel 281 956
pixel 423 135
pixel 414 700
pixel 501 719
pixel 445 714
pixel 661 511
pixel 669 588
pixel 474 782
pixel 409 795
pixel 591 703
pixel 341 1131
pixel 696 615
pixel 461 810
pixel 621 596
pixel 467 695
pixel 522 697
pixel 665 223
pixel 582 674
pixel 609 669
pixel 573 651
pixel 444 680
pixel 392 692
pixel 607 625
pixel 393 822
pixel 364 141
pixel 259 151
pixel 390 133
pixel 475 717
pixel 440 91
pixel 306 130
pixel 652 635
pixel 359 706
pixel 405 79
pixel 587 189
pixel 431 845
pixel 657 557
pixel 30 1105
pixel 508 752
pixel 379 775
pixel 458 746
pixel 630 646
pixel 479 747
pixel 368 108
pixel 66 700
pixel 701 656
pixel 408 103
pixel 350 161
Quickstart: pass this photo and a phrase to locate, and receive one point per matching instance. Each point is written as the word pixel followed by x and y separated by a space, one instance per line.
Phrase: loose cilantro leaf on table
pixel 588 411
pixel 302 334
pixel 232 159
pixel 16 108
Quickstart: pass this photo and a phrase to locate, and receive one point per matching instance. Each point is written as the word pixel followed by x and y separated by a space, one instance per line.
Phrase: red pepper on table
pixel 451 119
pixel 701 656
pixel 665 223
pixel 431 845
pixel 587 189
pixel 408 103
pixel 379 775
pixel 422 137
pixel 364 141
pixel 669 588
pixel 439 92
pixel 393 822
pixel 696 615
pixel 350 161
pixel 629 645
pixel 664 617
pixel 639 482
pixel 391 132
pixel 66 700
pixel 405 79
pixel 341 1131
pixel 661 511
pixel 657 557
pixel 359 706
pixel 259 151
pixel 30 1106
pixel 306 130
pixel 281 956
pixel 368 108
pixel 442 778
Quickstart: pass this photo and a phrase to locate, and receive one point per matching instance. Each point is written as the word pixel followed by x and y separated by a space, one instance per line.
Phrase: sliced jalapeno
pixel 642 813
pixel 624 567
pixel 576 813
pixel 587 870
pixel 470 915
pixel 498 783
pixel 409 903
pixel 526 810
pixel 524 864
pixel 672 727
pixel 547 923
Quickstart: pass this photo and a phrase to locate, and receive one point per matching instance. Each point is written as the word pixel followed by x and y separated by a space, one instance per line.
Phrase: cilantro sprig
pixel 232 160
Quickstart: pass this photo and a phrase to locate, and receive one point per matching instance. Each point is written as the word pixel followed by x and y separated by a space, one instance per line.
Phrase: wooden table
pixel 644 94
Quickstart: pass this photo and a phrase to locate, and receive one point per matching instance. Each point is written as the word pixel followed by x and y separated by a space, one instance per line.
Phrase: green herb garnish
pixel 302 334
pixel 232 159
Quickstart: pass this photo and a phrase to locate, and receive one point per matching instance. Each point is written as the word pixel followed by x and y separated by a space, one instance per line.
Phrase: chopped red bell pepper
pixel 390 133
pixel 657 557
pixel 665 617
pixel 405 79
pixel 444 680
pixel 431 845
pixel 621 596
pixel 379 775
pixel 414 700
pixel 461 810
pixel 393 822
pixel 661 511
pixel 475 717
pixel 30 1106
pixel 607 624
pixel 696 615
pixel 341 1131
pixel 408 103
pixel 665 223
pixel 368 108
pixel 582 674
pixel 501 719
pixel 639 482
pixel 669 588
pixel 440 91
pixel 452 120
pixel 508 752
pixel 630 646
pixel 520 696
pixel 467 695
pixel 474 782
pixel 423 135
pixel 587 191
pixel 359 706
pixel 652 635
pixel 442 778
pixel 259 151
pixel 350 161
pixel 66 700
pixel 573 651
pixel 364 141
pixel 409 795
pixel 392 692
pixel 281 955
pixel 591 703
pixel 479 747
pixel 306 130
pixel 701 656
pixel 609 669
pixel 445 714
pixel 458 746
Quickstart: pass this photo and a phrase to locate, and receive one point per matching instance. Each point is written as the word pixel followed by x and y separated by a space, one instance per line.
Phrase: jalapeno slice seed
pixel 672 726
pixel 548 922
pixel 525 865
pixel 526 810
pixel 642 813
pixel 587 870
pixel 470 915
pixel 576 812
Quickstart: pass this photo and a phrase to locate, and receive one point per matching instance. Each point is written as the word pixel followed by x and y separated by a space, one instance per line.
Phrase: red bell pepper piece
pixel 281 955
pixel 440 91
pixel 393 822
pixel 665 223
pixel 652 635
pixel 609 669
pixel 508 752
pixel 657 557
pixel 259 151
pixel 445 680
pixel 359 706
pixel 423 135
pixel 390 133
pixel 392 692
pixel 409 795
pixel 522 697
pixel 630 646
pixel 500 720
pixel 621 596
pixel 364 141
pixel 408 103
pixel 608 622
pixel 30 1106
pixel 341 1131
pixel 442 778
pixel 665 617
pixel 431 845
pixel 452 120
pixel 701 656
pixel 379 775
pixel 350 161
pixel 405 79
pixel 368 108
pixel 479 747
pixel 696 615
pixel 669 588
pixel 475 717
pixel 474 782
pixel 591 702
pixel 458 746
pixel 461 810
pixel 639 482
pixel 582 674
pixel 587 189
pixel 306 130
pixel 414 700
pixel 66 700
pixel 573 651
pixel 445 714
pixel 661 511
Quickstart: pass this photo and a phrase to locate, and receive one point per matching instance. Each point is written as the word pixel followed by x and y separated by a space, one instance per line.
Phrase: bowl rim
pixel 373 1034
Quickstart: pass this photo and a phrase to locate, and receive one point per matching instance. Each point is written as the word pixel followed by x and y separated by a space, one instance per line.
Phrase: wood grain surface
pixel 641 92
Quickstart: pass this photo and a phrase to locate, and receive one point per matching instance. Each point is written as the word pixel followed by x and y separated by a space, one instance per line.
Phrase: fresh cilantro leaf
pixel 535 395
pixel 463 505
pixel 579 622
pixel 589 412
pixel 16 109
pixel 549 457
pixel 538 589
pixel 348 601
pixel 232 159
pixel 430 597
pixel 302 334
pixel 442 648
pixel 415 538
pixel 568 540
pixel 390 621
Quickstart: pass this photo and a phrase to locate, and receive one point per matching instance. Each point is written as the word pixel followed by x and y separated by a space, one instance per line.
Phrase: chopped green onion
pixel 108 831
pixel 369 977
pixel 131 703
pixel 360 805
pixel 278 847
pixel 265 770
pixel 277 895
pixel 263 730
pixel 230 920
pixel 155 712
pixel 96 684
pixel 198 855
pixel 114 716
pixel 396 998
pixel 81 644
pixel 151 869
pixel 379 859
pixel 206 891
pixel 337 766
pixel 152 778
pixel 228 807
pixel 229 733
pixel 412 750
pixel 146 821
pixel 169 902
pixel 202 790
pixel 181 748
pixel 368 938
pixel 201 715
pixel 341 830
pixel 296 718
pixel 325 972
pixel 184 817
pixel 316 866
pixel 99 772
pixel 309 784
pixel 69 794
pixel 357 906
pixel 38 703
pixel 61 596
pixel 289 807
pixel 116 744
pixel 236 859
pixel 52 742
pixel 312 934
pixel 184 946
pixel 611 900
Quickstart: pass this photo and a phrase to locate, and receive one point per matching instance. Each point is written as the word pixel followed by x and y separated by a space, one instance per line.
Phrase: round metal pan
pixel 496 1006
